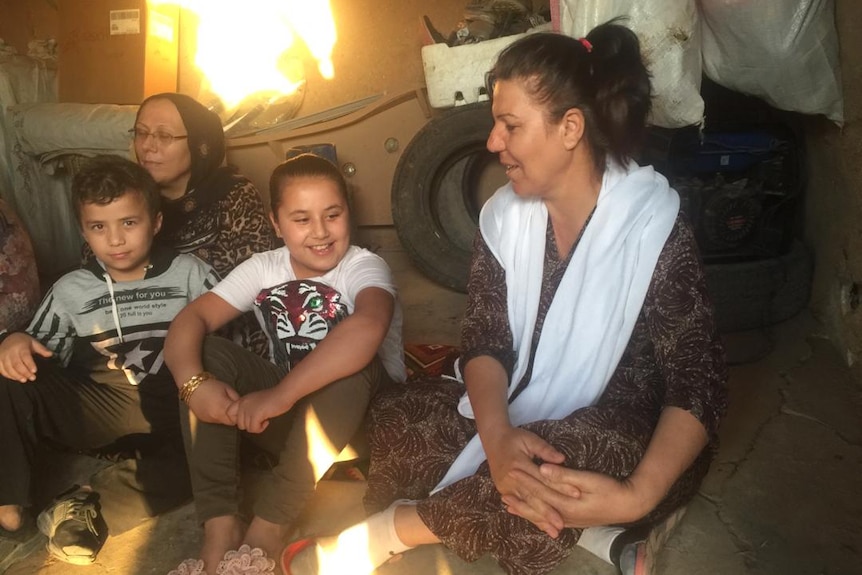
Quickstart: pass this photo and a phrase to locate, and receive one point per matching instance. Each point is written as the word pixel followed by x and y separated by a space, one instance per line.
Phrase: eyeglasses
pixel 162 139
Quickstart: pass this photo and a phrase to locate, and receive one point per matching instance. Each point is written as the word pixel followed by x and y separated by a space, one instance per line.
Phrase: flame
pixel 251 47
pixel 314 23
pixel 321 452
pixel 352 554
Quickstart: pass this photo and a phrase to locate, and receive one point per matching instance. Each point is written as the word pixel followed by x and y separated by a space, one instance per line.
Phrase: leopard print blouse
pixel 224 235
pixel 229 231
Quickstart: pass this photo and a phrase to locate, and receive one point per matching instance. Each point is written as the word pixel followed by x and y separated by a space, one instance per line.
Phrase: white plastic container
pixel 449 70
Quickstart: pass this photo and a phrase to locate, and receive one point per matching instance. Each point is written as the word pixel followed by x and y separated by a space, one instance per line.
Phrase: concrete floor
pixel 783 496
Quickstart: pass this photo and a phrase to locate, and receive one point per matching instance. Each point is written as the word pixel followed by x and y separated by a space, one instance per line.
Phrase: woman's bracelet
pixel 192 384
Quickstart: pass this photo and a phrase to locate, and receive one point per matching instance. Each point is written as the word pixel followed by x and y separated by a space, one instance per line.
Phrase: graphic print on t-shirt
pixel 142 315
pixel 297 315
pixel 137 355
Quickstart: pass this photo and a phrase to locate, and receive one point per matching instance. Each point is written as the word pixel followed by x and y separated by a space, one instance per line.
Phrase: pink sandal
pixel 189 567
pixel 246 561
pixel 243 561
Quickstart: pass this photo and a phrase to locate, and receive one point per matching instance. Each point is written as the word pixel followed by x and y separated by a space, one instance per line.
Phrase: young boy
pixel 89 373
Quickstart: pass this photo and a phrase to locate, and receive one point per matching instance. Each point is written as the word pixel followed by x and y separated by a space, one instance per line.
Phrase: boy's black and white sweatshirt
pixel 114 332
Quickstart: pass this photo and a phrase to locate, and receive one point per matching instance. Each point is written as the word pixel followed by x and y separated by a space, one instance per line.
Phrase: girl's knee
pixel 219 357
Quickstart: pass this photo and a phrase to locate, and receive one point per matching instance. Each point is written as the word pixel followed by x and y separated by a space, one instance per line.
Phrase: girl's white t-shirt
pixel 289 310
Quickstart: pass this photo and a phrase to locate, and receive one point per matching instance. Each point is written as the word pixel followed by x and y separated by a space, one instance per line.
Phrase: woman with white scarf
pixel 593 376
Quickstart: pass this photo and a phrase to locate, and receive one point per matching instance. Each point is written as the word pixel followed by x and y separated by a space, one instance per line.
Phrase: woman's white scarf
pixel 596 305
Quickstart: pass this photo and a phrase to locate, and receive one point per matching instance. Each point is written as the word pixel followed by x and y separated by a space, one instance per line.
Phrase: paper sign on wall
pixel 125 22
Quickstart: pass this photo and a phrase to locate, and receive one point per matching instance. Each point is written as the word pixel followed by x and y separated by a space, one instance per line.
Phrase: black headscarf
pixel 209 180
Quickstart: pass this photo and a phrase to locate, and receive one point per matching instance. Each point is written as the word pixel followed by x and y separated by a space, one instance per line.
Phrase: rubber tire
pixel 759 293
pixel 432 207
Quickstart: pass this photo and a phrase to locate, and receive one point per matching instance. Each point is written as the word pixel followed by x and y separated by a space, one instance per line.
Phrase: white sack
pixel 783 52
pixel 669 34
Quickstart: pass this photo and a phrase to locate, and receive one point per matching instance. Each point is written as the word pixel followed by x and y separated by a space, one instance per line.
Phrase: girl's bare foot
pixel 267 536
pixel 221 534
pixel 11 517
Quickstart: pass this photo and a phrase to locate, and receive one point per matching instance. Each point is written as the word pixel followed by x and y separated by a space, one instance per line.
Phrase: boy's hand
pixel 16 357
pixel 211 400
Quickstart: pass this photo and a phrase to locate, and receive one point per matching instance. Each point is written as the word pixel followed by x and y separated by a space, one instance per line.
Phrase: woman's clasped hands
pixel 513 454
pixel 559 497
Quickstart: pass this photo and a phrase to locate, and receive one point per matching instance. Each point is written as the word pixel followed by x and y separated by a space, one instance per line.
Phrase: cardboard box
pixel 116 51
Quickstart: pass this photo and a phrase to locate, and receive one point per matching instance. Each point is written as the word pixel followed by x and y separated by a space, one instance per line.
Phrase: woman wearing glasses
pixel 208 209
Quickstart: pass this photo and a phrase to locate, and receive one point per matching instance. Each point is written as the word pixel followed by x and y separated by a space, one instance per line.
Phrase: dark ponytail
pixel 602 75
pixel 622 87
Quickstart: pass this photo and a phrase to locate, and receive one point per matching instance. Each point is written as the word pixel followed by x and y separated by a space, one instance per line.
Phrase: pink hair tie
pixel 587 44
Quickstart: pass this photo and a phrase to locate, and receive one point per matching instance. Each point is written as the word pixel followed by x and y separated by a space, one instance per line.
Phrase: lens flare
pixel 255 47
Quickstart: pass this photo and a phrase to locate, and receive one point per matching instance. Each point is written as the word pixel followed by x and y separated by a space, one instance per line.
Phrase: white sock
pixel 598 540
pixel 364 546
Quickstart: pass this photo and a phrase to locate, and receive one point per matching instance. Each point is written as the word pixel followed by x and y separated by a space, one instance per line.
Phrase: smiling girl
pixel 320 300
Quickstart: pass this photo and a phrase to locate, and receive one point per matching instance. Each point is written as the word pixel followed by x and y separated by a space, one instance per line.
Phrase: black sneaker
pixel 74 526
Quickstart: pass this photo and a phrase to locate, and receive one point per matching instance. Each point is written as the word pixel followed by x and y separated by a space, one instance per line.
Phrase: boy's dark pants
pixel 70 411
